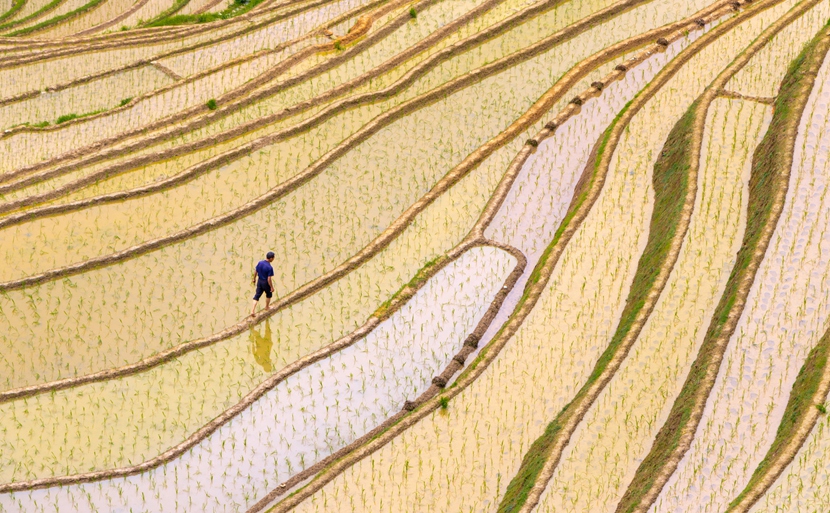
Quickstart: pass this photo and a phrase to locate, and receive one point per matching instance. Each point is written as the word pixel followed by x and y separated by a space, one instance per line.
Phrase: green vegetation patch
pixel 671 184
pixel 236 8
pixel 16 6
pixel 57 19
pixel 801 400
pixel 67 117
pixel 765 181
pixel 177 6
pixel 409 289
pixel 48 7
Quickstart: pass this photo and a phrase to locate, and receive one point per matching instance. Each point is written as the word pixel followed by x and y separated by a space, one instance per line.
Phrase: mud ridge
pixel 303 177
pixel 682 148
pixel 138 37
pixel 579 209
pixel 374 321
pixel 769 183
pixel 225 110
pixel 380 242
pixel 801 413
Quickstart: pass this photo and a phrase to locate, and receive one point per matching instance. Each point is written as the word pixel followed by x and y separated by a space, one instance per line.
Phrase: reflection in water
pixel 261 347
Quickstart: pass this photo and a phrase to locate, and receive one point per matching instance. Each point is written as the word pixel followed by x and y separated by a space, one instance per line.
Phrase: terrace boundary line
pixel 319 166
pixel 771 165
pixel 229 103
pixel 462 169
pixel 800 417
pixel 678 162
pixel 138 37
pixel 294 182
pixel 725 93
pixel 398 300
pixel 811 386
pixel 584 198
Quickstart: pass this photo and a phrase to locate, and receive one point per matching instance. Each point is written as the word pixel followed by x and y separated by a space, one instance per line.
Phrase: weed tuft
pixel 65 118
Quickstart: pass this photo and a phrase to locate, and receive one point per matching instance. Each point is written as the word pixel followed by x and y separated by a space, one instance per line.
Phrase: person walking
pixel 264 280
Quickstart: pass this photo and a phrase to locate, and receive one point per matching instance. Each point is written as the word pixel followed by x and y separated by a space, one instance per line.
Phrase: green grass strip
pixel 765 180
pixel 801 400
pixel 51 5
pixel 57 19
pixel 68 117
pixel 536 274
pixel 420 277
pixel 236 8
pixel 177 6
pixel 18 4
pixel 671 184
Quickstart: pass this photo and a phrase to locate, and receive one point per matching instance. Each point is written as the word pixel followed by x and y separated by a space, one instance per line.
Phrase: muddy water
pixel 464 461
pixel 34 147
pixel 605 450
pixel 189 203
pixel 785 315
pixel 150 301
pixel 314 412
pixel 210 380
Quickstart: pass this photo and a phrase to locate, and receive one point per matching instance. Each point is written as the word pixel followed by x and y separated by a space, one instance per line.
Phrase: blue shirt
pixel 264 270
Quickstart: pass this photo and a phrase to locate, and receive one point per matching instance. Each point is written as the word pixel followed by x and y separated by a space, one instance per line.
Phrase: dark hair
pixel 269 255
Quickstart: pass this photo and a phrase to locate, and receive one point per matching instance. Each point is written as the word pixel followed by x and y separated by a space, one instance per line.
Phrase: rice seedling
pixel 501 230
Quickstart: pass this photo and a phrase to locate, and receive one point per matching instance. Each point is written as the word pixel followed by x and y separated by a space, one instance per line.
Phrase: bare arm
pixel 253 279
pixel 271 283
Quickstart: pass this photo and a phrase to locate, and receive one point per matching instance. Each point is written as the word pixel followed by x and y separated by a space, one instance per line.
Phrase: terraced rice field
pixel 530 255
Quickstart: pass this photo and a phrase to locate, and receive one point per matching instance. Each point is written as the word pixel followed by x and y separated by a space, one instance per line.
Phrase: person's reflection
pixel 261 346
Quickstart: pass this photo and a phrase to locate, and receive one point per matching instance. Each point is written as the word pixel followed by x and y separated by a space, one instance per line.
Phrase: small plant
pixel 413 13
pixel 444 402
pixel 822 409
pixel 125 101
pixel 211 104
pixel 41 124
pixel 338 46
pixel 65 118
